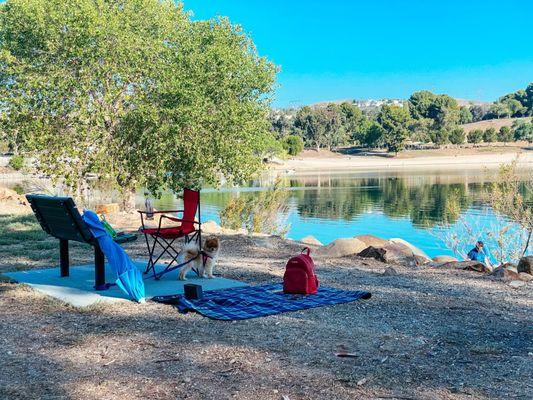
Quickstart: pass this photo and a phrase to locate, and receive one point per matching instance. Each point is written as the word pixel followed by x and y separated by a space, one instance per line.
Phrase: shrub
pixel 293 144
pixel 475 136
pixel 505 135
pixel 439 136
pixel 490 135
pixel 523 130
pixel 16 162
pixel 457 136
pixel 260 212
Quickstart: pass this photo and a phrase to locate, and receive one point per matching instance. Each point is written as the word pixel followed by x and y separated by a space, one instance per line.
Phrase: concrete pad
pixel 77 289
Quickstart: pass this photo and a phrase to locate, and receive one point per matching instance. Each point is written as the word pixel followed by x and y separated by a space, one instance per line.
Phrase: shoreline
pixel 362 163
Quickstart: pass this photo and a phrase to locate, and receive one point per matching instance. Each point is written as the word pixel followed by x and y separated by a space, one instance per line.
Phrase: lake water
pixel 421 207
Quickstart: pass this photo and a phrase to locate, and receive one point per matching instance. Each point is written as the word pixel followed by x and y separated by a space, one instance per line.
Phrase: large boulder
pixel 377 253
pixel 391 253
pixel 415 250
pixel 340 248
pixel 526 265
pixel 371 240
pixel 211 227
pixel 467 266
pixel 310 240
pixel 10 195
pixel 107 208
pixel 444 259
pixel 506 272
pixel 398 253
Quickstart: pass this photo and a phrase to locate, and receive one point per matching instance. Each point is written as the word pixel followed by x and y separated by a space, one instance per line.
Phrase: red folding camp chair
pixel 164 237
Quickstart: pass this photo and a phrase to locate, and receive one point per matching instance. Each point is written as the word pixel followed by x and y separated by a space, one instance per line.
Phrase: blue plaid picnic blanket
pixel 258 301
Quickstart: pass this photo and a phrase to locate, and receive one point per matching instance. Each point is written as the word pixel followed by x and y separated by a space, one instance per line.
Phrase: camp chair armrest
pixel 159 212
pixel 180 219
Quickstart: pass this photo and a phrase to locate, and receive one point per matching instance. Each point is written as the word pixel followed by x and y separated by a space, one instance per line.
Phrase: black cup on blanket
pixel 192 291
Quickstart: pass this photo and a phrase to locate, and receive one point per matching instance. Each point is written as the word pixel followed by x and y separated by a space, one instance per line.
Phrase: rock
pixel 467 266
pixel 444 259
pixel 373 252
pixel 506 271
pixel 510 275
pixel 371 240
pixel 397 253
pixel 109 208
pixel 264 242
pixel 10 195
pixel 419 254
pixel 517 284
pixel 525 277
pixel 211 227
pixel 341 247
pixel 310 240
pixel 499 271
pixel 526 265
pixel 389 271
pixel 391 253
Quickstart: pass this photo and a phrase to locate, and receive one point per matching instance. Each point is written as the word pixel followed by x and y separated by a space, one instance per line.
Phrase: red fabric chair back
pixel 191 199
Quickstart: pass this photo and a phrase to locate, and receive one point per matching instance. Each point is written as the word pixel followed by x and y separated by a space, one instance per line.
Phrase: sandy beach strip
pixel 379 163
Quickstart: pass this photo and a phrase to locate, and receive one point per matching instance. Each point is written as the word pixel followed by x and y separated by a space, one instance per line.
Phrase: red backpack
pixel 300 275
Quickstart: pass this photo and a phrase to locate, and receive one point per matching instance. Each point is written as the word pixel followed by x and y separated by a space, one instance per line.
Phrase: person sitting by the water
pixel 478 254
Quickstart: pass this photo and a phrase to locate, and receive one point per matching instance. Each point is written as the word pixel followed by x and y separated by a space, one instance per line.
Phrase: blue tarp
pixel 258 301
pixel 129 278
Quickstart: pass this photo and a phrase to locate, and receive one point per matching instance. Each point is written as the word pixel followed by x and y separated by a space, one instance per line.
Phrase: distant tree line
pixel 424 118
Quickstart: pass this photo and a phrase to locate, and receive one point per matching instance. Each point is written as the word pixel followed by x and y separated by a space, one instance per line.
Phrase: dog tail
pixel 191 250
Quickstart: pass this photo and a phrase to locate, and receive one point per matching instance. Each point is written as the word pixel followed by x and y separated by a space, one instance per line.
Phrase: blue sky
pixel 472 49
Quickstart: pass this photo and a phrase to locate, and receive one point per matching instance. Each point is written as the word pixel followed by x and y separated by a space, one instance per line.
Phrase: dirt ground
pixel 426 333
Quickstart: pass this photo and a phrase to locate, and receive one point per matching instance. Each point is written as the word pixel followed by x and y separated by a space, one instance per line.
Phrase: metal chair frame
pixel 166 244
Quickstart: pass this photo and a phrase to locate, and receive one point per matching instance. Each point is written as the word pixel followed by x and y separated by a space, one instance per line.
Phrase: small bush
pixel 258 213
pixel 16 162
pixel 475 136
pixel 490 135
pixel 505 135
pixel 293 145
pixel 440 136
pixel 457 136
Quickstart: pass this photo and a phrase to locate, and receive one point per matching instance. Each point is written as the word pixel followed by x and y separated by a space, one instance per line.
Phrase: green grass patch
pixel 18 229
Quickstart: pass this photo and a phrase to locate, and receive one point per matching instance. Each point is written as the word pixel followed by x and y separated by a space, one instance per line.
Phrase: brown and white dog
pixel 204 261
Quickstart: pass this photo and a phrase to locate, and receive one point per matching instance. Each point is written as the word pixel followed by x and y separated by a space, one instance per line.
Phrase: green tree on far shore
pixel 475 136
pixel 505 134
pixel 395 123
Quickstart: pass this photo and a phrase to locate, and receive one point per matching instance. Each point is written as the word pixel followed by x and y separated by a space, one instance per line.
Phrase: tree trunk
pixel 527 243
pixel 128 200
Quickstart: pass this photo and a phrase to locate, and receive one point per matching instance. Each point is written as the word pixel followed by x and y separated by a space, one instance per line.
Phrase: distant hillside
pixel 372 104
pixel 492 123
pixel 467 103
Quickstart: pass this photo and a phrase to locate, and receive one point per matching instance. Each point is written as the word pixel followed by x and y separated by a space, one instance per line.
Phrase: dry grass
pixel 492 123
pixel 425 334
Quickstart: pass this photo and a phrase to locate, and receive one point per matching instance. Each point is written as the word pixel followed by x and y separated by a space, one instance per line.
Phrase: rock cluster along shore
pixel 397 251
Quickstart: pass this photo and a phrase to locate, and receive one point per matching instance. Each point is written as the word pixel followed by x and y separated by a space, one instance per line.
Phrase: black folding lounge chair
pixel 60 218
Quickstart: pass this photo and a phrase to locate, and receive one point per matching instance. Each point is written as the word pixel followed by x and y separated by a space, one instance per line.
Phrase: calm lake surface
pixel 418 206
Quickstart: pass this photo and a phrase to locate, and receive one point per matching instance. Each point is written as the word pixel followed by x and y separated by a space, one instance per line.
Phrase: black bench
pixel 60 218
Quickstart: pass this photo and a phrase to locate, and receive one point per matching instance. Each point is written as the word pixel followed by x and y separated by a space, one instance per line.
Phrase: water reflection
pixel 328 206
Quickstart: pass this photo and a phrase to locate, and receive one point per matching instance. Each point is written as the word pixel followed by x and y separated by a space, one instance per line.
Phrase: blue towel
pixel 129 278
pixel 258 301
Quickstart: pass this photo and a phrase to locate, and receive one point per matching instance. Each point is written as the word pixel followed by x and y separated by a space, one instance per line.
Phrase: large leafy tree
pixel 395 122
pixel 133 92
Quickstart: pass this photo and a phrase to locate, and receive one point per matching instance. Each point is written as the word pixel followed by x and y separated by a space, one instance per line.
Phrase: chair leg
pixel 63 258
pixel 99 269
